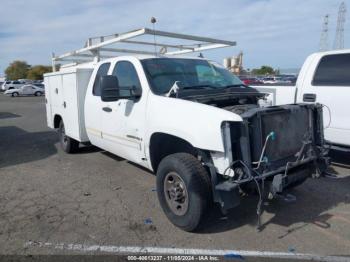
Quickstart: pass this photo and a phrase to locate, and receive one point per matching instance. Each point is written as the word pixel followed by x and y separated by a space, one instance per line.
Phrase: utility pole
pixel 339 35
pixel 324 34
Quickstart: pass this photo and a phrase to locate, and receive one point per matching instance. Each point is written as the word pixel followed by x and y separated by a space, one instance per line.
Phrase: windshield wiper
pixel 236 85
pixel 175 88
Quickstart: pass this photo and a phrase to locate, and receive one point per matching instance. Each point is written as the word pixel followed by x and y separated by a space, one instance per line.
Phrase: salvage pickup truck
pixel 324 78
pixel 203 132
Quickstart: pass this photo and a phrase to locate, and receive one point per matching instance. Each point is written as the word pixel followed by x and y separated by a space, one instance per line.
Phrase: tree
pixel 37 72
pixel 17 70
pixel 263 70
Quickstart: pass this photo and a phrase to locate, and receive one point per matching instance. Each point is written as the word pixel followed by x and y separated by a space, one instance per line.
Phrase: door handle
pixel 309 97
pixel 107 109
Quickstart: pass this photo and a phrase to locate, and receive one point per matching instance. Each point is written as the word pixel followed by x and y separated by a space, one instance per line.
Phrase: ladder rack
pixel 104 47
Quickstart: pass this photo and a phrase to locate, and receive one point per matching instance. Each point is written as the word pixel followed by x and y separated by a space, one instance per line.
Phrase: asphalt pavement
pixel 94 198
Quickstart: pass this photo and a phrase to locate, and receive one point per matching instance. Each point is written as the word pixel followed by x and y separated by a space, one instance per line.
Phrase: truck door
pixel 93 107
pixel 123 120
pixel 330 85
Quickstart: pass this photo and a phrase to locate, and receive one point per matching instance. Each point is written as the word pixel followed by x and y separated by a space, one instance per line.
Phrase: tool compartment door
pixel 54 97
pixel 70 105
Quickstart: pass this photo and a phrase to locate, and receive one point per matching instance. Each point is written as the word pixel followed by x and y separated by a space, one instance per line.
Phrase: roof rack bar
pixel 122 50
pixel 197 49
pixel 188 37
pixel 156 44
pixel 119 38
pixel 93 51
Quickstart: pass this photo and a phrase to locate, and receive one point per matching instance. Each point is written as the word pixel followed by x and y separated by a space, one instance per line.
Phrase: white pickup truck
pixel 325 79
pixel 189 120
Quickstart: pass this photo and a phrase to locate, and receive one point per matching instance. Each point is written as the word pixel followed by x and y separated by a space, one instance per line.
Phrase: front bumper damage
pixel 272 149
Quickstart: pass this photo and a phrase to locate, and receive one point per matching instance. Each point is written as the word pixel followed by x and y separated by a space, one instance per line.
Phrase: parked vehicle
pixel 269 80
pixel 11 85
pixel 275 80
pixel 26 90
pixel 40 85
pixel 250 80
pixel 324 78
pixel 26 81
pixel 289 79
pixel 189 120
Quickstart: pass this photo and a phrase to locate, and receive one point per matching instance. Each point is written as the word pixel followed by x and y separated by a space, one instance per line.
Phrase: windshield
pixel 162 74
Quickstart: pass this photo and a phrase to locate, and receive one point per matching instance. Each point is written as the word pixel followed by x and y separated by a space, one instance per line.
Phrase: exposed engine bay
pixel 236 100
pixel 278 146
pixel 240 108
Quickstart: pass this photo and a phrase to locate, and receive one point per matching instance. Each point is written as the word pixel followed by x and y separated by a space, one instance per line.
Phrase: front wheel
pixel 38 93
pixel 68 144
pixel 15 94
pixel 183 189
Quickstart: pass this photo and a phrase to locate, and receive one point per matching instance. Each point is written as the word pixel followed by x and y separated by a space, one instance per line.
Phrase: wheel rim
pixel 176 194
pixel 15 94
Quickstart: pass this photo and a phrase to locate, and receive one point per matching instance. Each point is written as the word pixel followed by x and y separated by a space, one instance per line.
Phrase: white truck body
pixel 85 120
pixel 65 96
pixel 325 79
pixel 187 119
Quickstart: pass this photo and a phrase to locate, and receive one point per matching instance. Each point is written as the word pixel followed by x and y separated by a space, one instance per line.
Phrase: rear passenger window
pixel 127 76
pixel 333 70
pixel 102 71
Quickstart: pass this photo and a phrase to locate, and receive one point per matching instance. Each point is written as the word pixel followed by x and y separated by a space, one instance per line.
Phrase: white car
pixel 274 80
pixel 26 90
pixel 11 85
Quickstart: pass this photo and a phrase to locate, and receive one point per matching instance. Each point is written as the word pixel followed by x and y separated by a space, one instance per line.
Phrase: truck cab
pixel 324 78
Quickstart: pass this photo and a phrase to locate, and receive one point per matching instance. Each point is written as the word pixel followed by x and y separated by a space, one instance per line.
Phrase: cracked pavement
pixel 93 197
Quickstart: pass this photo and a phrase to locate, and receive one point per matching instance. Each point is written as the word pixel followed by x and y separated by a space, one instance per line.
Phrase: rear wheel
pixel 183 188
pixel 38 93
pixel 15 94
pixel 69 145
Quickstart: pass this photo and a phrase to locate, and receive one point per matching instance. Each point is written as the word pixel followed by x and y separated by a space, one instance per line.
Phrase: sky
pixel 280 33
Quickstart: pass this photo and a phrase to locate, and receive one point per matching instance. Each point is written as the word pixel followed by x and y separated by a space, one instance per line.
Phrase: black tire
pixel 197 185
pixel 15 94
pixel 38 93
pixel 69 145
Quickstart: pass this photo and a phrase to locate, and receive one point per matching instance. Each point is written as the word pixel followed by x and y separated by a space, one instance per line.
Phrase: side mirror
pixel 109 88
pixel 130 92
pixel 111 91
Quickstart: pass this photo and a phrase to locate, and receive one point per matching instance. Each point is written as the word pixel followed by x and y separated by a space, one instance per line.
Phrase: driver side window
pixel 127 76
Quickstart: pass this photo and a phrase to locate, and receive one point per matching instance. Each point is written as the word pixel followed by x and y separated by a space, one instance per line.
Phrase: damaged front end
pixel 272 149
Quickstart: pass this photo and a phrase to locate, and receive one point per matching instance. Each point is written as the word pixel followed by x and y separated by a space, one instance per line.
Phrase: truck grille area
pixel 292 129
